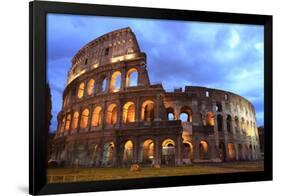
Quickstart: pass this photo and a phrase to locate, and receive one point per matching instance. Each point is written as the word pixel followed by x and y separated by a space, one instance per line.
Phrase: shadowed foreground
pixel 94 174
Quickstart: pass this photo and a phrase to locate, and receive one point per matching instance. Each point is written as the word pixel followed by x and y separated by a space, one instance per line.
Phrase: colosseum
pixel 112 116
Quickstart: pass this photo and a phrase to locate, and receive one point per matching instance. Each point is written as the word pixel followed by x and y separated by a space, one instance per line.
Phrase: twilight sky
pixel 216 55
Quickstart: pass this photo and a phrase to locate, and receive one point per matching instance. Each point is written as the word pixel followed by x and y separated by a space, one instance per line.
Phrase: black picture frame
pixel 37 101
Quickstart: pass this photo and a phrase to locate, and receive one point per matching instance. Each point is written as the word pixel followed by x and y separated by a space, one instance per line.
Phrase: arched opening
pixel 103 84
pixel 111 114
pixel 81 89
pixel 168 152
pixel 170 113
pixel 132 78
pixel 62 125
pixel 246 152
pixel 115 83
pixel 187 150
pixel 240 152
pixel 129 112
pixel 222 151
pixel 228 123
pixel 96 119
pixel 210 119
pixel 128 152
pixel 75 120
pixel 147 111
pixel 94 154
pixel 186 114
pixel 68 120
pixel 90 87
pixel 231 151
pixel 236 124
pixel 251 152
pixel 147 153
pixel 218 107
pixel 203 150
pixel 220 121
pixel 84 118
pixel 107 158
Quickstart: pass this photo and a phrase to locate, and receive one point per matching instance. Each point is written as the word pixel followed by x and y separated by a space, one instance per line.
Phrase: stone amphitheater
pixel 112 116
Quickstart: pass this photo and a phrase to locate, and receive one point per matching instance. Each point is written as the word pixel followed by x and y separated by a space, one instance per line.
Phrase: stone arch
pixel 129 112
pixel 97 116
pixel 103 84
pixel 84 118
pixel 147 152
pixel 128 152
pixel 236 124
pixel 111 114
pixel 231 151
pixel 187 150
pixel 168 152
pixel 62 125
pixel 147 111
pixel 115 83
pixel 132 77
pixel 67 123
pixel 218 107
pixel 220 122
pixel 75 120
pixel 90 87
pixel 186 114
pixel 222 151
pixel 203 150
pixel 240 152
pixel 170 113
pixel 108 153
pixel 228 123
pixel 94 154
pixel 80 92
pixel 210 119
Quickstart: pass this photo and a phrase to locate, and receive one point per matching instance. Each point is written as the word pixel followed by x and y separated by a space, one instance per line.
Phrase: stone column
pixel 136 150
pixel 157 108
pixel 89 125
pixel 156 151
pixel 79 120
pixel 123 79
pixel 236 151
pixel 216 133
pixel 120 114
pixel 138 110
pixel 179 149
pixel 104 113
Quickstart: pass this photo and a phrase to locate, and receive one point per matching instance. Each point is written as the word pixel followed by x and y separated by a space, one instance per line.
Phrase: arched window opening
pixel 132 78
pixel 107 158
pixel 210 119
pixel 220 122
pixel 96 119
pixel 188 150
pixel 84 118
pixel 90 87
pixel 75 120
pixel 129 112
pixel 147 113
pixel 236 124
pixel 222 151
pixel 115 83
pixel 81 89
pixel 168 152
pixel 128 152
pixel 228 123
pixel 203 150
pixel 103 84
pixel 67 124
pixel 170 113
pixel 111 116
pixel 62 124
pixel 231 151
pixel 147 154
pixel 218 107
pixel 186 114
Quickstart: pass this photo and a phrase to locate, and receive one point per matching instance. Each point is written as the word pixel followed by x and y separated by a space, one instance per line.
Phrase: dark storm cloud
pixel 223 56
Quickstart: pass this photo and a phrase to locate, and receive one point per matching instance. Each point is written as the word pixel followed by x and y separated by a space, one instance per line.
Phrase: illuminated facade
pixel 113 116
